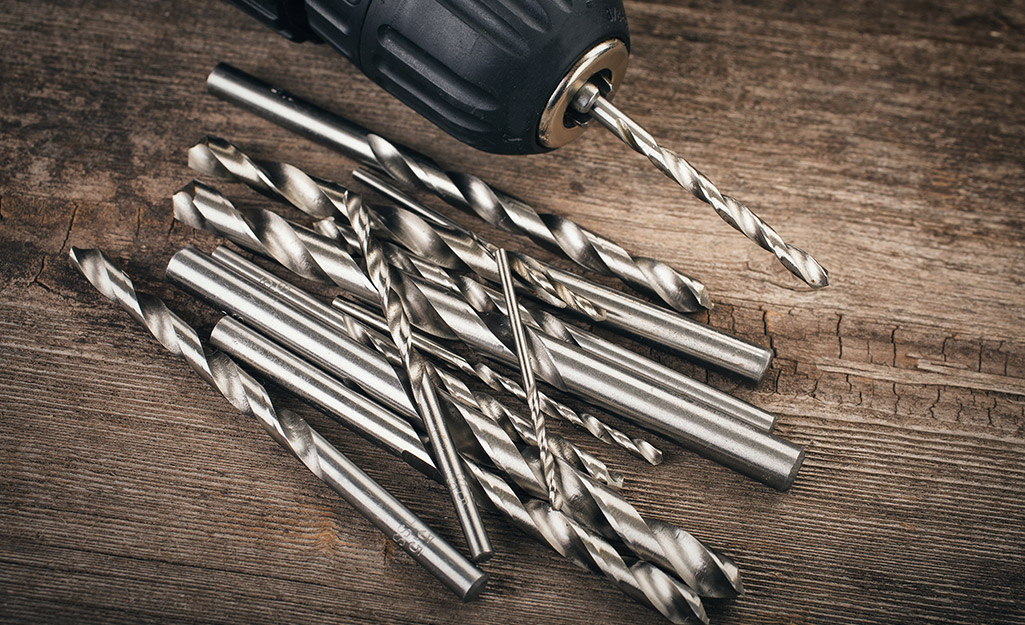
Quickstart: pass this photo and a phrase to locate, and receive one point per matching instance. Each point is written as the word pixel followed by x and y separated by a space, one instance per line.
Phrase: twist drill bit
pixel 431 235
pixel 421 375
pixel 318 198
pixel 461 190
pixel 695 425
pixel 523 356
pixel 589 503
pixel 291 431
pixel 585 547
pixel 589 101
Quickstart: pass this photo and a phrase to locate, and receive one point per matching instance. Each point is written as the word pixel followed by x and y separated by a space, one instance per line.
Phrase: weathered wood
pixel 888 139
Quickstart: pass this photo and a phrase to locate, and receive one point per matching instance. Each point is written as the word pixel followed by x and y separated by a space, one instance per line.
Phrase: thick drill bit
pixel 589 101
pixel 318 198
pixel 691 423
pixel 590 503
pixel 523 356
pixel 461 190
pixel 421 375
pixel 289 430
pixel 429 234
pixel 571 538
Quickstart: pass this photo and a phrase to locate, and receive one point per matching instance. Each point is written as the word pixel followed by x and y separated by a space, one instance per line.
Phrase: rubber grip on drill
pixel 286 17
pixel 482 70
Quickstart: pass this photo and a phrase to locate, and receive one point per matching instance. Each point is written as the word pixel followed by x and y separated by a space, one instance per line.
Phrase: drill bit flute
pixel 523 356
pixel 290 431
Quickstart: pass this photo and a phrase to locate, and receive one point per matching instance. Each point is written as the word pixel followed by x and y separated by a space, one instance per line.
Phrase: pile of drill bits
pixel 428 314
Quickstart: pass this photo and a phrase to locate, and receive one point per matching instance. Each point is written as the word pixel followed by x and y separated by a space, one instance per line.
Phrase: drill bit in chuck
pixel 590 101
pixel 289 430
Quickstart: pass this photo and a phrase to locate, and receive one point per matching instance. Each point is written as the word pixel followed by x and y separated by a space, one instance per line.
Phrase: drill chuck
pixel 492 73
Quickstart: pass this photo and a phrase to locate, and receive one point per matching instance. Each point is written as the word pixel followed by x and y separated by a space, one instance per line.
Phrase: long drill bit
pixel 421 375
pixel 427 233
pixel 291 431
pixel 461 190
pixel 523 356
pixel 572 538
pixel 590 503
pixel 216 157
pixel 589 101
pixel 698 426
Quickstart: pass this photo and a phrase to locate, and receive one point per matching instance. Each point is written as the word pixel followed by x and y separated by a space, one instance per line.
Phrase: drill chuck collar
pixel 495 74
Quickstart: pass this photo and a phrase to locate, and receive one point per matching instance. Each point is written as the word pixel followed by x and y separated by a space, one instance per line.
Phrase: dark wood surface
pixel 887 138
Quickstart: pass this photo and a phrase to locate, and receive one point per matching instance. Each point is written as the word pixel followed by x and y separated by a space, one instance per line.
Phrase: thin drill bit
pixel 696 425
pixel 523 356
pixel 589 101
pixel 427 233
pixel 461 190
pixel 572 538
pixel 421 380
pixel 318 198
pixel 291 431
pixel 590 503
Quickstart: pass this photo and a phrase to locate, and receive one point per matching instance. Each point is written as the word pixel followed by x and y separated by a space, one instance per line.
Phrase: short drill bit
pixel 318 198
pixel 589 503
pixel 421 380
pixel 589 101
pixel 461 190
pixel 523 356
pixel 291 431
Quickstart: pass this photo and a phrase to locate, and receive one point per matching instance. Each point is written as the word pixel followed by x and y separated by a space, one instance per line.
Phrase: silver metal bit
pixel 421 375
pixel 586 548
pixel 461 190
pixel 523 356
pixel 429 234
pixel 291 431
pixel 593 505
pixel 589 101
pixel 318 198
pixel 696 425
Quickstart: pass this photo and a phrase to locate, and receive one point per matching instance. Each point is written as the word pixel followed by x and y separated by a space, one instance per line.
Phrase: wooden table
pixel 886 138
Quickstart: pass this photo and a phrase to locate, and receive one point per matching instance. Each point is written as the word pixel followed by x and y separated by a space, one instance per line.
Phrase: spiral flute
pixel 291 431
pixel 319 198
pixel 733 212
pixel 421 375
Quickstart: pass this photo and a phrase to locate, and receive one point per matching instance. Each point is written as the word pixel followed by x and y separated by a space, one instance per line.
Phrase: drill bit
pixel 421 375
pixel 589 503
pixel 696 425
pixel 589 101
pixel 572 538
pixel 289 430
pixel 428 233
pixel 461 190
pixel 318 198
pixel 523 356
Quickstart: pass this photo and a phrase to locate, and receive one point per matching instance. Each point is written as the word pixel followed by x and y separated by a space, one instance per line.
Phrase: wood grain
pixel 888 139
